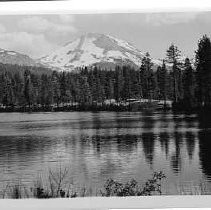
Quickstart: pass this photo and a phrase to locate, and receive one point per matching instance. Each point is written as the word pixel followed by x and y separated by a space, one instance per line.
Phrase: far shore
pixel 109 108
pixel 80 109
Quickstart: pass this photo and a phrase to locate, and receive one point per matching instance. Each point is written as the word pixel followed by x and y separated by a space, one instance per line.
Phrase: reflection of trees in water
pixel 123 143
pixel 176 157
pixel 24 148
pixel 164 139
pixel 109 139
pixel 96 125
pixel 96 121
pixel 148 120
pixel 190 137
pixel 148 138
pixel 127 143
pixel 182 123
pixel 190 143
pixel 176 161
pixel 177 121
pixel 204 120
pixel 117 140
pixel 205 151
pixel 191 121
pixel 205 143
pixel 148 142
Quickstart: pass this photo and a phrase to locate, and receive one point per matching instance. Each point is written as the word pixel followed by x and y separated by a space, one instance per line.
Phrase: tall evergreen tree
pixel 56 88
pixel 162 81
pixel 63 88
pixel 203 71
pixel 127 73
pixel 173 55
pixel 147 77
pixel 28 88
pixel 109 85
pixel 8 90
pixel 188 85
pixel 119 83
pixel 85 97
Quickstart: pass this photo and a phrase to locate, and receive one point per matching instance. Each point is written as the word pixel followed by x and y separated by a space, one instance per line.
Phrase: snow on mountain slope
pixel 12 57
pixel 93 49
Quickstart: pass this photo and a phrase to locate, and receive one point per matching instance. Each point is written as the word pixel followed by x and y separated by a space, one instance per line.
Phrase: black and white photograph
pixel 105 105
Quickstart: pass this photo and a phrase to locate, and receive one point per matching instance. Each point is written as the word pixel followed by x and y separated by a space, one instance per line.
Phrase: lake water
pixel 102 145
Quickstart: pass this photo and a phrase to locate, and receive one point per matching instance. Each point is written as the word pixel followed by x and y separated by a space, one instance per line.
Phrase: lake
pixel 101 145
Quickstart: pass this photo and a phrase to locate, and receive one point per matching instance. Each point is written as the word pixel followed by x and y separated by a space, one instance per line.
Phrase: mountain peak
pixel 94 49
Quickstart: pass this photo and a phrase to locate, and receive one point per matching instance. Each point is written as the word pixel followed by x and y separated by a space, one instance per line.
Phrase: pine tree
pixel 110 88
pixel 63 88
pixel 28 88
pixel 36 83
pixel 85 97
pixel 127 82
pixel 203 71
pixel 188 85
pixel 147 77
pixel 173 56
pixel 8 94
pixel 119 83
pixel 19 88
pixel 109 85
pixel 55 88
pixel 136 90
pixel 162 81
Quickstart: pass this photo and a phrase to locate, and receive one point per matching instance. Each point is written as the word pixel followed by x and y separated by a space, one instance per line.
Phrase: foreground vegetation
pixel 57 186
pixel 38 89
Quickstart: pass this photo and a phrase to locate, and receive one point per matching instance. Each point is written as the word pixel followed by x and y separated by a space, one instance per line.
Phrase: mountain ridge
pixel 16 58
pixel 88 50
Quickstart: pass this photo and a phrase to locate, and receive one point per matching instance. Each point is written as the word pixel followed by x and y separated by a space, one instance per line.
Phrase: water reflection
pixel 164 139
pixel 205 143
pixel 190 144
pixel 102 145
pixel 148 142
pixel 176 156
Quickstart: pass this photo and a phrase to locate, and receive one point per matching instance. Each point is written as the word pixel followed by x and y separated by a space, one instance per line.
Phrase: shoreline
pixel 103 109
pixel 112 108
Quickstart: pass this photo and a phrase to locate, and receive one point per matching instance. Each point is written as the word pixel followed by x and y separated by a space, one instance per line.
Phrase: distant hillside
pixel 12 57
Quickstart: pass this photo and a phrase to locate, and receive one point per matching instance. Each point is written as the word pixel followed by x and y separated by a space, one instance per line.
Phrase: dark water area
pixel 101 145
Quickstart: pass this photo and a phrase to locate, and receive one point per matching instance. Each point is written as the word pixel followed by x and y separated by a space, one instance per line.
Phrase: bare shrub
pixel 58 185
pixel 131 188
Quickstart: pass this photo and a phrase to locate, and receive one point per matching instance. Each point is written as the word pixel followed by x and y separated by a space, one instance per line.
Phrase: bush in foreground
pixel 58 187
pixel 132 188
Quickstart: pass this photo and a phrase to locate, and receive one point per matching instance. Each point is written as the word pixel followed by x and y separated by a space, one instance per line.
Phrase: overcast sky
pixel 38 35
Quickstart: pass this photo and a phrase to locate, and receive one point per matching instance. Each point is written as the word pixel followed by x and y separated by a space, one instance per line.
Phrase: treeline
pixel 187 85
pixel 88 87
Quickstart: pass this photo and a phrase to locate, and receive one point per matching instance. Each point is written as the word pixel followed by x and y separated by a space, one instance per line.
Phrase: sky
pixel 39 35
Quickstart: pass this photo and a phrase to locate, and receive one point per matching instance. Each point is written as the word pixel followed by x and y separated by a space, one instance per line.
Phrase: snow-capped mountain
pixel 12 57
pixel 94 49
